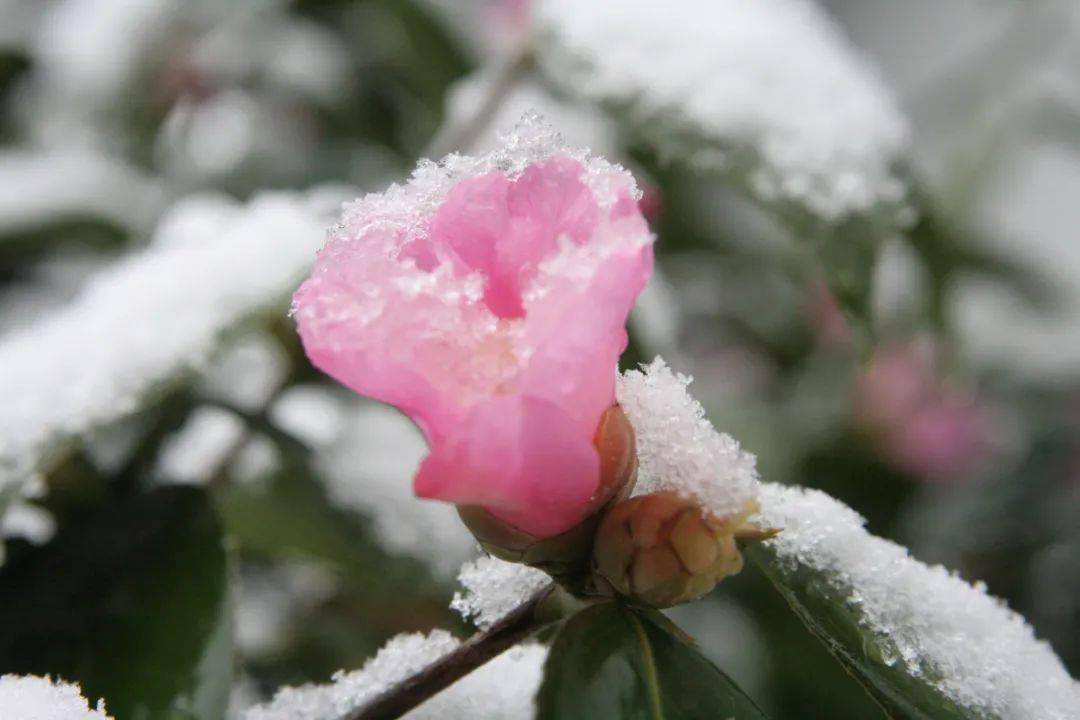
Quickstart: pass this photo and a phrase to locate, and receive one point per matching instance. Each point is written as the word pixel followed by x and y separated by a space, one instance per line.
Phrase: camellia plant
pixel 208 505
pixel 486 299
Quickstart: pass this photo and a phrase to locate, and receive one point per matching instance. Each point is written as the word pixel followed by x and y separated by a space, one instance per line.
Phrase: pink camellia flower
pixel 487 299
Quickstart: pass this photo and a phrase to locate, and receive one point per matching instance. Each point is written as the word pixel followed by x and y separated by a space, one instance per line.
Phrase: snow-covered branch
pixel 212 264
pixel 769 89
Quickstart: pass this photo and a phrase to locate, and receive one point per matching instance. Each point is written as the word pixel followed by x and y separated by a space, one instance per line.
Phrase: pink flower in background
pixel 922 424
pixel 487 299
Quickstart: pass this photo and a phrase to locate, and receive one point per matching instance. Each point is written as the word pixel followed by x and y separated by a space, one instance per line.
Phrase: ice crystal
pixel 28 697
pixel 493 588
pixel 678 448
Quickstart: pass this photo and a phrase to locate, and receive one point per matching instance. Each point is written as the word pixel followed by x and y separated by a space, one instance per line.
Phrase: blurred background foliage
pixel 224 540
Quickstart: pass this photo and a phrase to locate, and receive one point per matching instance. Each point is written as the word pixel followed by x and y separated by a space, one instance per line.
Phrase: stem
pixel 457 137
pixel 477 650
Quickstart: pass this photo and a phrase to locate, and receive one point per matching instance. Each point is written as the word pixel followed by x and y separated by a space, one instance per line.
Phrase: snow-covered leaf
pixel 766 93
pixel 925 643
pixel 769 91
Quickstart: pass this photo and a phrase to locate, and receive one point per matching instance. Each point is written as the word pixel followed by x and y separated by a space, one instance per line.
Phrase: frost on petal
pixel 678 448
pixel 493 588
pixel 486 299
pixel 939 628
pixel 768 89
pixel 402 657
pixel 28 697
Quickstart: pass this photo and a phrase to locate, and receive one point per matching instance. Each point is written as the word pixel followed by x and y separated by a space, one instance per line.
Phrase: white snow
pixel 493 588
pixel 402 657
pixel 936 626
pixel 678 448
pixel 149 318
pixel 580 124
pixel 43 187
pixel 503 689
pixel 25 520
pixel 28 697
pixel 194 453
pixel 772 82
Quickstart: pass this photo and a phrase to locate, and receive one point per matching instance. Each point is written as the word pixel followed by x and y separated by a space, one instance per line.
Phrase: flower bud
pixel 566 554
pixel 663 549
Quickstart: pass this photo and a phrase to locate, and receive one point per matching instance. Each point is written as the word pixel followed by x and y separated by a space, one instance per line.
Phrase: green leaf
pixel 613 662
pixel 130 601
pixel 820 603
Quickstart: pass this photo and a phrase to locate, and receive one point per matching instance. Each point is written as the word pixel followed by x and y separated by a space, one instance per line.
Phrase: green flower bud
pixel 566 556
pixel 662 549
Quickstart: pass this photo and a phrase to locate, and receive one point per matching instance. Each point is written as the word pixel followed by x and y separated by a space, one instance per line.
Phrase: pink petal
pixel 519 457
pixel 490 307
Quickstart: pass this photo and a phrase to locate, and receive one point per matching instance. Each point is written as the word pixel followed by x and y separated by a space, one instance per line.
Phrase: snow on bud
pixel 663 549
pixel 678 448
pixel 486 298
pixel 566 554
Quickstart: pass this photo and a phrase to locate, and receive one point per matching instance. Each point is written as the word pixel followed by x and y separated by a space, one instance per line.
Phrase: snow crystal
pixel 533 140
pixel 494 588
pixel 401 658
pixel 772 82
pixel 503 689
pixel 28 697
pixel 580 124
pixel 678 448
pixel 147 319
pixel 953 635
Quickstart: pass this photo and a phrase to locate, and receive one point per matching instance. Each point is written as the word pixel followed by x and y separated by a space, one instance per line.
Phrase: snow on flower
pixel 28 697
pixel 679 449
pixel 486 298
